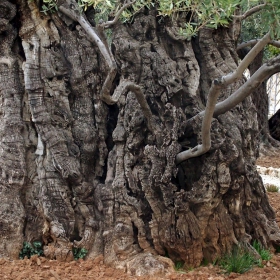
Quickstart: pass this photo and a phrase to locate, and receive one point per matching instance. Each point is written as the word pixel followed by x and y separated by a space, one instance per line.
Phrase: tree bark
pixel 267 143
pixel 80 173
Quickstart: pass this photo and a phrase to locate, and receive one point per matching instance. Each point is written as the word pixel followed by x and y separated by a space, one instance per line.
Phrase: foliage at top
pixel 210 13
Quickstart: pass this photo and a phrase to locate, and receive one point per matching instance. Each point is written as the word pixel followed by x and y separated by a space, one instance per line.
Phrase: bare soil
pixel 271 161
pixel 39 268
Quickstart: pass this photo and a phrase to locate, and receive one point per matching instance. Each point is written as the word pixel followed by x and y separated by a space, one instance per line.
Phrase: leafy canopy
pixel 210 13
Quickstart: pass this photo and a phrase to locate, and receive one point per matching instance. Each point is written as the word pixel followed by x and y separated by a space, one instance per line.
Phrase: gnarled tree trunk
pixel 78 172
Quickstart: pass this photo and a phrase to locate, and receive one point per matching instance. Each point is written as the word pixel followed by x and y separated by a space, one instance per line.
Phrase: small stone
pixel 98 260
pixel 43 259
pixel 233 275
pixel 54 273
pixel 87 266
pixel 45 274
pixel 109 272
pixel 46 266
pixel 267 270
pixel 34 259
pixel 68 269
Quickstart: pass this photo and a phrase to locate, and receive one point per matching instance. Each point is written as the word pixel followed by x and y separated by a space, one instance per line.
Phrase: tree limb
pixel 174 35
pixel 238 96
pixel 254 42
pixel 206 125
pixel 232 77
pixel 251 11
pixel 73 12
pixel 125 86
pixel 117 16
pixel 246 89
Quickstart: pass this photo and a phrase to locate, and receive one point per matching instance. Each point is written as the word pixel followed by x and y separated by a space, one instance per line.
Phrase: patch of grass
pixel 179 266
pixel 271 188
pixel 239 261
pixel 30 249
pixel 265 254
pixel 79 253
pixel 204 262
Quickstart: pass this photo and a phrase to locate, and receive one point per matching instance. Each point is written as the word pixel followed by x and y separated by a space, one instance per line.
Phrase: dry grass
pixel 271 188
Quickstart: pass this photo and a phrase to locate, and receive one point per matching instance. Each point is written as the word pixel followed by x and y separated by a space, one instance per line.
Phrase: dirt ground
pixel 272 161
pixel 43 269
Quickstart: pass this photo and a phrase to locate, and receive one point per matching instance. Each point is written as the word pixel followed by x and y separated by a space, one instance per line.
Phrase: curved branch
pixel 206 125
pixel 232 77
pixel 73 12
pixel 254 42
pixel 117 16
pixel 174 35
pixel 238 96
pixel 211 107
pixel 126 86
pixel 251 11
pixel 246 89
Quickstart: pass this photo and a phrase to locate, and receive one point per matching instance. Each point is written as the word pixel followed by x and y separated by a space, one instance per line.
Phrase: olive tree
pixel 135 143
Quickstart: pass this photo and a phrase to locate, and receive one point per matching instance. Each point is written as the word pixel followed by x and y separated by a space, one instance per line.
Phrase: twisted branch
pixel 254 42
pixel 71 10
pixel 251 12
pixel 216 109
pixel 124 87
pixel 117 16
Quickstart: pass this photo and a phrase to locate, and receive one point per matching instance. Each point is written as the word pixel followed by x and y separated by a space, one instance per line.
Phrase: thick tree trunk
pixel 80 173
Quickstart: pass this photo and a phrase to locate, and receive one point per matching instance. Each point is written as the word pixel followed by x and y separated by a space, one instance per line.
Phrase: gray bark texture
pixel 268 144
pixel 76 172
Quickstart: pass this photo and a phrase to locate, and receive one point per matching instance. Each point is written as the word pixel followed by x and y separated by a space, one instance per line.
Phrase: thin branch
pixel 124 87
pixel 251 12
pixel 230 78
pixel 254 42
pixel 174 34
pixel 206 126
pixel 247 88
pixel 211 107
pixel 117 16
pixel 75 15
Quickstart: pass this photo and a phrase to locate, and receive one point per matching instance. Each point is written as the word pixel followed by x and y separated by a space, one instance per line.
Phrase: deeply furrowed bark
pixel 104 177
pixel 12 152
